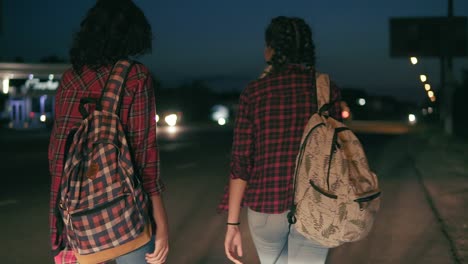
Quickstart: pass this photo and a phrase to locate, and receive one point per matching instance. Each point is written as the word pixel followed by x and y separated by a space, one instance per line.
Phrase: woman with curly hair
pixel 271 118
pixel 112 31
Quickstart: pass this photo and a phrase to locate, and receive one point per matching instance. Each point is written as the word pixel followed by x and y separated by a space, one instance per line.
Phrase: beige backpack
pixel 336 194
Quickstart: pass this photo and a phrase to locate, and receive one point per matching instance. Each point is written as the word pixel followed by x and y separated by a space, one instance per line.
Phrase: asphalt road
pixel 194 165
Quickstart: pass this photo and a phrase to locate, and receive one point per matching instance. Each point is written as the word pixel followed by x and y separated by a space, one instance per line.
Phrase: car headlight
pixel 171 120
pixel 412 119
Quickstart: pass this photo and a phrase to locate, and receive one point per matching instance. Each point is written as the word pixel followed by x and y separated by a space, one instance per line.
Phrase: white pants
pixel 277 245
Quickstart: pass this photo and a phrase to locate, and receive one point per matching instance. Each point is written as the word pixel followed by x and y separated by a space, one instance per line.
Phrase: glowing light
pixel 430 94
pixel 31 76
pixel 414 60
pixel 433 99
pixel 43 118
pixel 171 120
pixel 345 114
pixel 427 87
pixel 219 111
pixel 430 110
pixel 412 118
pixel 221 121
pixel 156 118
pixel 51 77
pixel 172 130
pixel 362 101
pixel 6 85
pixel 423 78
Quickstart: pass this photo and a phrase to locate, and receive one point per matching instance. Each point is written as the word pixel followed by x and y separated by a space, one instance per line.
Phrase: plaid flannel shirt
pixel 137 113
pixel 273 112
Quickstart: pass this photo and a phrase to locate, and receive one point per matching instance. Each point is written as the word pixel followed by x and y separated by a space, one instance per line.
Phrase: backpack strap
pixel 113 90
pixel 322 81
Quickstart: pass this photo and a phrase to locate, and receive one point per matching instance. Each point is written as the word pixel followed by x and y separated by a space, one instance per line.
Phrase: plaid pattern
pixel 137 117
pixel 273 112
pixel 99 204
pixel 66 256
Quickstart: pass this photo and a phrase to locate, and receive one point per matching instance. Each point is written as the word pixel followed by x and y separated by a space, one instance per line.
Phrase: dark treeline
pixel 195 100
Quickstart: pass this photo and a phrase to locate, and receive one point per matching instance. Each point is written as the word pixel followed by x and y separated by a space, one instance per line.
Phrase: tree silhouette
pixel 52 59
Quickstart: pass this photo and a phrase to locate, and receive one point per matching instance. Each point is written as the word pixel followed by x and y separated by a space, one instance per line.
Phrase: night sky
pixel 222 41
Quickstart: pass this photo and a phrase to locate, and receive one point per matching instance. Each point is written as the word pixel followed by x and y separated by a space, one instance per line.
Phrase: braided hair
pixel 291 39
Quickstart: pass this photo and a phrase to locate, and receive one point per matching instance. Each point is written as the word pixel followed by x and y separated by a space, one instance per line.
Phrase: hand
pixel 233 243
pixel 161 248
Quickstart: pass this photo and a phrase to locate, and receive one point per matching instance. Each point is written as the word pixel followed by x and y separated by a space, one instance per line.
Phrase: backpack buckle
pixel 292 215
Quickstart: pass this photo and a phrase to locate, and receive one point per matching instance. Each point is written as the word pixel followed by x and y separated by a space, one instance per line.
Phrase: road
pixel 195 167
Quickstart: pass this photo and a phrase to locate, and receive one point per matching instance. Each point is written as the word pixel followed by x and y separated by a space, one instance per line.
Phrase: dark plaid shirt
pixel 271 118
pixel 138 112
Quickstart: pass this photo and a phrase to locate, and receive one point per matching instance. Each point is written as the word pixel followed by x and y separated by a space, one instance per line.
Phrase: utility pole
pixel 447 80
pixel 2 25
pixel 1 17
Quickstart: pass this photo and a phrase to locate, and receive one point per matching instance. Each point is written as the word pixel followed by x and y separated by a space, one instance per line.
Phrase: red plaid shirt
pixel 138 112
pixel 271 118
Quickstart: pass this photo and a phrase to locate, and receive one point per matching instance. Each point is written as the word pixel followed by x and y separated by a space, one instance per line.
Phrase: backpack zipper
pixel 99 207
pixel 332 151
pixel 318 189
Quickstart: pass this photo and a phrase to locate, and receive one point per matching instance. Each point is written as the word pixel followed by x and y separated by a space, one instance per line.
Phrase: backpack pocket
pixel 360 217
pixel 106 225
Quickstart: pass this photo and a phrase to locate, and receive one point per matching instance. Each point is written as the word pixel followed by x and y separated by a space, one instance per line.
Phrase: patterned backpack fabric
pixel 101 202
pixel 336 194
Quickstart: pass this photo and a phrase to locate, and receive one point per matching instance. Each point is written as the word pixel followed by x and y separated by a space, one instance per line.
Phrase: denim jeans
pixel 275 244
pixel 137 256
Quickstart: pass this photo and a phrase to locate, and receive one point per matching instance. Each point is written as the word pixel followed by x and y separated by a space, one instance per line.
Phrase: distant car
pixel 40 120
pixel 168 118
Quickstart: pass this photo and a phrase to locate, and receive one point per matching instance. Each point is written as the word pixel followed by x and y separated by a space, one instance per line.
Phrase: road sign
pixel 1 17
pixel 429 37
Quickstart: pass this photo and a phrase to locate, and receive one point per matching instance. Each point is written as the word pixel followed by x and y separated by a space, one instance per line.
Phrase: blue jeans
pixel 138 255
pixel 275 244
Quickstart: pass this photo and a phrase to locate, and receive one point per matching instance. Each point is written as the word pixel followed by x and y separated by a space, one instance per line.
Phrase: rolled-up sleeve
pixel 243 143
pixel 142 136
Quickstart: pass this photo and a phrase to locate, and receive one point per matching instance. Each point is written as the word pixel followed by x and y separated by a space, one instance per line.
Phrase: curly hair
pixel 291 39
pixel 112 30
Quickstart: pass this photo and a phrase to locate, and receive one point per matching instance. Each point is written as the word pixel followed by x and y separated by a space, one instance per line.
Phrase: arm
pixel 236 192
pixel 241 169
pixel 162 232
pixel 241 157
pixel 55 165
pixel 142 133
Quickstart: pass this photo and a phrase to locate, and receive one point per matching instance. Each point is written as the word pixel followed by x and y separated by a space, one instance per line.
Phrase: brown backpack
pixel 336 194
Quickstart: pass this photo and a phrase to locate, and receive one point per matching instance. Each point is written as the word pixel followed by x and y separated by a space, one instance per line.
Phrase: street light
pixel 430 94
pixel 427 87
pixel 6 85
pixel 361 101
pixel 423 78
pixel 414 60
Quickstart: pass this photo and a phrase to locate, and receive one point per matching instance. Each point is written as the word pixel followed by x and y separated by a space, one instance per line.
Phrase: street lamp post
pixel 446 79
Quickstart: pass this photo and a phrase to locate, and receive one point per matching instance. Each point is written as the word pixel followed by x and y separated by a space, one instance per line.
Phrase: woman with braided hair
pixel 273 111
